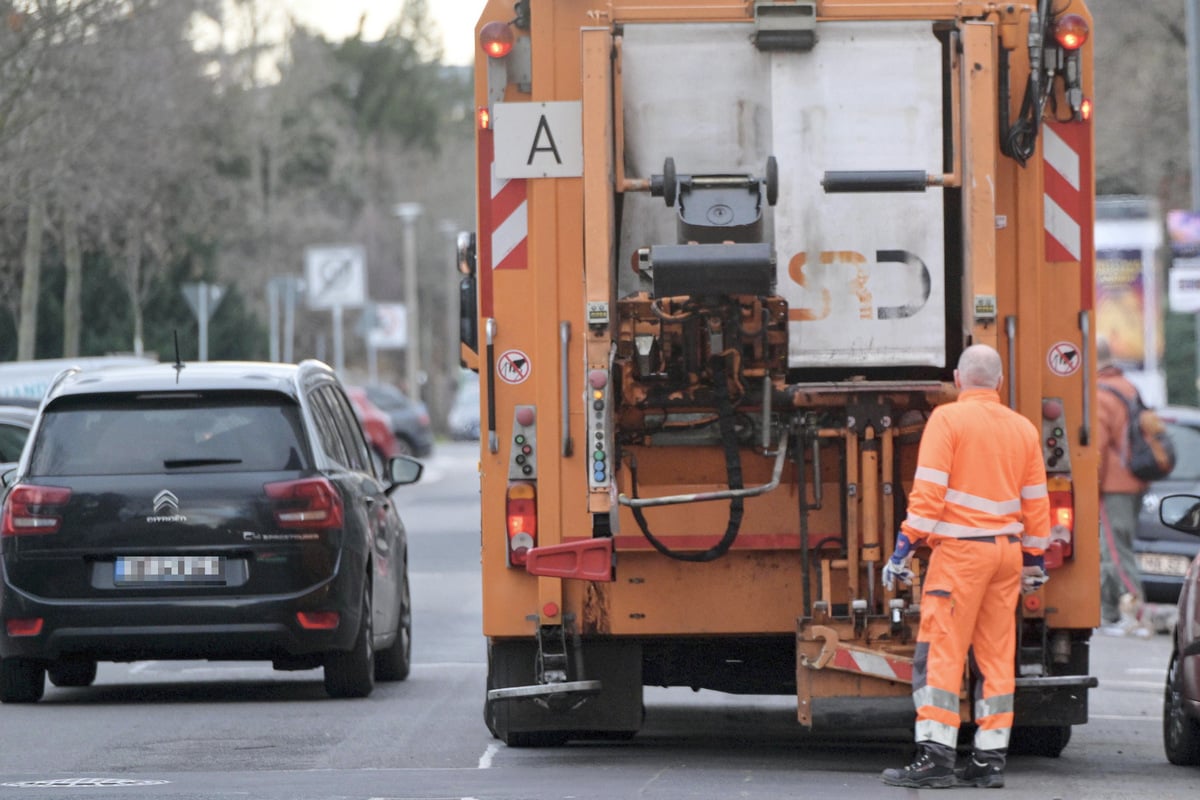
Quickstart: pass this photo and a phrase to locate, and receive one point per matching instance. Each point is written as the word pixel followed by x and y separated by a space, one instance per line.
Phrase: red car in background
pixel 376 424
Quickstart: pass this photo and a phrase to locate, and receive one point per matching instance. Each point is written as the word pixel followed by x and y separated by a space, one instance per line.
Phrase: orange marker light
pixel 1085 109
pixel 485 118
pixel 496 39
pixel 1071 32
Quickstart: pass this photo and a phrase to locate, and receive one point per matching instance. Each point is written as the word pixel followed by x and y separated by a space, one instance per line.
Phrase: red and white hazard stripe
pixel 509 222
pixel 1066 152
pixel 878 665
pixel 503 222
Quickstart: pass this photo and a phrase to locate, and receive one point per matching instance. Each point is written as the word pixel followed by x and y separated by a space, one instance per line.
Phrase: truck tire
pixel 1048 741
pixel 508 667
pixel 1181 733
pixel 72 673
pixel 21 680
pixel 351 673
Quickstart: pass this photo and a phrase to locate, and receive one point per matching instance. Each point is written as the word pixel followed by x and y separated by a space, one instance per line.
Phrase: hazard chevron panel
pixel 1067 155
pixel 503 223
pixel 869 662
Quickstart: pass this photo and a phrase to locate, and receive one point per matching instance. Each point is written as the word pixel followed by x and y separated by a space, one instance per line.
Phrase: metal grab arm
pixel 724 494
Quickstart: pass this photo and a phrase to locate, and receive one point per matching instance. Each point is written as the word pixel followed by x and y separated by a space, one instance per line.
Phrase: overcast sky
pixel 338 19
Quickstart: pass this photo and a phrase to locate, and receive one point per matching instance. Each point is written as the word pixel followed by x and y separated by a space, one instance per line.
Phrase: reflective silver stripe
pixel 967 532
pixel 920 523
pixel 1038 542
pixel 932 475
pixel 938 698
pixel 991 739
pixel 987 706
pixel 998 508
pixel 929 730
pixel 1034 492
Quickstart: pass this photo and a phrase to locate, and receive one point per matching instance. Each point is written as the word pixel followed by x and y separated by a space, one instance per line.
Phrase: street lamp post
pixel 408 214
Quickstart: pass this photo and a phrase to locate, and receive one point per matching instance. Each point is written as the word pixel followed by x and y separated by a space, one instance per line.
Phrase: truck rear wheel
pixel 1048 741
pixel 615 713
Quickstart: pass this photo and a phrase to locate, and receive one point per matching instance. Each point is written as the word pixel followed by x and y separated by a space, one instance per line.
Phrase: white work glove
pixel 1033 574
pixel 897 569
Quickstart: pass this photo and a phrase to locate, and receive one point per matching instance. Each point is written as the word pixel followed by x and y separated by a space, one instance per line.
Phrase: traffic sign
pixel 390 329
pixel 203 298
pixel 336 275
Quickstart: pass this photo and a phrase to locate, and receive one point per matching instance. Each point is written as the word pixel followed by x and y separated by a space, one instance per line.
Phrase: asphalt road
pixel 226 730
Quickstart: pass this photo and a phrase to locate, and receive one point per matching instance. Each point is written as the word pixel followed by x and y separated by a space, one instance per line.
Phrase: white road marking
pixel 485 760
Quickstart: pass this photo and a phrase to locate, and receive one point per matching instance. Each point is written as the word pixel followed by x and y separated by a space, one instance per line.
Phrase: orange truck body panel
pixel 596 397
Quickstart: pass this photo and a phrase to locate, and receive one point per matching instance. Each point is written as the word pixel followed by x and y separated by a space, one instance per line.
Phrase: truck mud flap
pixel 1053 700
pixel 604 697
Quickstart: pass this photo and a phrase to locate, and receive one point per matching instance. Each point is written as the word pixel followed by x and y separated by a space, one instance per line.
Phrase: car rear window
pixel 1187 450
pixel 128 435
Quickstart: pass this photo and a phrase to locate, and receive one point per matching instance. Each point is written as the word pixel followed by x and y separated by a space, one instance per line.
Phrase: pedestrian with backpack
pixel 1121 493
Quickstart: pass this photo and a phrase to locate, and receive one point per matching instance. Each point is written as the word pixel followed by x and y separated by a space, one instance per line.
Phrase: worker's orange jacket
pixel 1112 427
pixel 979 473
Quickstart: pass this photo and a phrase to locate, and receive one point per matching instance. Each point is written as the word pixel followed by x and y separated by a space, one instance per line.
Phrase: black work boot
pixel 933 768
pixel 983 768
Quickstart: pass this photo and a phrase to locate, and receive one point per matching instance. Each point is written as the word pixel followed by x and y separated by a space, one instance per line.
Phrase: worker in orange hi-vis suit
pixel 979 501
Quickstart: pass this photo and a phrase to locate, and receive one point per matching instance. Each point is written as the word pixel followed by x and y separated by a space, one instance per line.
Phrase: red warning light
pixel 496 38
pixel 1071 31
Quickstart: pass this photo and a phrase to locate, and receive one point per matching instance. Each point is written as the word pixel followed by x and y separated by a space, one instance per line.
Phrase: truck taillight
pixel 308 503
pixel 34 509
pixel 1062 522
pixel 521 515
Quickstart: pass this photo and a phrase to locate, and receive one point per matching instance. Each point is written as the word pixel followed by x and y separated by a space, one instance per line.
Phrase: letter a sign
pixel 538 140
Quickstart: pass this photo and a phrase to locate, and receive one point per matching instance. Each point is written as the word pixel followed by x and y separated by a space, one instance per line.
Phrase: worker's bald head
pixel 979 368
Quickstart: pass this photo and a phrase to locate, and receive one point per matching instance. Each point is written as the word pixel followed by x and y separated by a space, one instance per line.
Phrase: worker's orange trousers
pixel 969 601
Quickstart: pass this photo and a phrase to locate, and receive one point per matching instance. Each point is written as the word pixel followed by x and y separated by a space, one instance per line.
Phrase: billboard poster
pixel 1121 304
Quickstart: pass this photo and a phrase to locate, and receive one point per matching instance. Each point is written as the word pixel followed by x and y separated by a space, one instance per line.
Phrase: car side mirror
pixel 402 470
pixel 1181 512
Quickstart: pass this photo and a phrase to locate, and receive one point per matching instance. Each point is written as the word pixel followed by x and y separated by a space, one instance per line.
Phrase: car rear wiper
pixel 176 463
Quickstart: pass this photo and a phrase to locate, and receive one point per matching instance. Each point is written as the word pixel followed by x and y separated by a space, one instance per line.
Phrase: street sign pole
pixel 335 279
pixel 203 299
pixel 339 346
pixel 273 310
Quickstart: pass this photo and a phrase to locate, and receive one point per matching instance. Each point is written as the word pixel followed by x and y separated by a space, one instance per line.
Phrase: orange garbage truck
pixel 727 255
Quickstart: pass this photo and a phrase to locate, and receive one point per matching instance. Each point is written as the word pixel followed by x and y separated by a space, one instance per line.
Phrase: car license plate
pixel 169 569
pixel 1159 564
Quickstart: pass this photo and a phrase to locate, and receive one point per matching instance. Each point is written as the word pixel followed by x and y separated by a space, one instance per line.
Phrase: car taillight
pixel 31 626
pixel 521 514
pixel 1062 522
pixel 34 509
pixel 307 503
pixel 318 620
